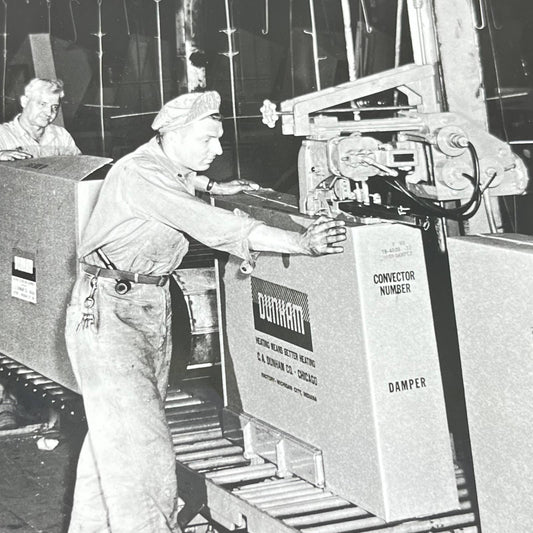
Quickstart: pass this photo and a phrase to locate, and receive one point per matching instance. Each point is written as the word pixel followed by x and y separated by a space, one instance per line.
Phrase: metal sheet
pixel 340 352
pixel 492 289
pixel 44 203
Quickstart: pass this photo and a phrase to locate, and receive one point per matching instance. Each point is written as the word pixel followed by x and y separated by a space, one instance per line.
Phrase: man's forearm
pixel 267 238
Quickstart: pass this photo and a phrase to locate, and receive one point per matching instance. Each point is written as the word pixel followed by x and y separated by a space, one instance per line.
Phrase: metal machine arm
pixel 427 153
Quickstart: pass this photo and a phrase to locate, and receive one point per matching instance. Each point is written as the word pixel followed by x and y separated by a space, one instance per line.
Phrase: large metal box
pixel 340 352
pixel 44 204
pixel 492 278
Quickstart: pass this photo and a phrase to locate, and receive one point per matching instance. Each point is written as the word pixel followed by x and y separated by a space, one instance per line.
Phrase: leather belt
pixel 122 275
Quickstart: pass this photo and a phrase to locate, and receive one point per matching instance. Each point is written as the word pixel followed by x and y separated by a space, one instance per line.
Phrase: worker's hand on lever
pixel 234 187
pixel 13 155
pixel 323 236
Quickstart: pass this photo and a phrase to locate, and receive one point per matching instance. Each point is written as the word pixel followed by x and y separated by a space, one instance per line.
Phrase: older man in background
pixel 31 133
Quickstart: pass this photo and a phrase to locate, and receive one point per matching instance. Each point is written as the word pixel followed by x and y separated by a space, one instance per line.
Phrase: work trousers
pixel 126 477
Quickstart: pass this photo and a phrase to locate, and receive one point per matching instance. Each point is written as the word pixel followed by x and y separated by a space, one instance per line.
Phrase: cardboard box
pixel 340 352
pixel 492 278
pixel 45 204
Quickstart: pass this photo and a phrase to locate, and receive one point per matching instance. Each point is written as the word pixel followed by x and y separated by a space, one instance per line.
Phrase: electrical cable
pixel 466 210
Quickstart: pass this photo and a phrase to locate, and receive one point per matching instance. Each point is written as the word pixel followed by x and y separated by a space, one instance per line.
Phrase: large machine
pixel 330 365
pixel 427 154
pixel 339 354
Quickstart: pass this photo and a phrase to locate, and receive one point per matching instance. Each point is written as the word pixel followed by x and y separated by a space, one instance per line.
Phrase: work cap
pixel 185 109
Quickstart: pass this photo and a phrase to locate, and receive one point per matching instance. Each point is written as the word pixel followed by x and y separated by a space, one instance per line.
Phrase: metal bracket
pixel 260 440
pixel 418 82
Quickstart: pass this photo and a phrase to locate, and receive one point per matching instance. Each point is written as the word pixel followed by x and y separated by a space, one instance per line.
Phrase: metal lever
pixel 49 7
pixel 480 23
pixel 266 28
pixel 126 17
pixel 368 27
pixel 486 9
pixel 73 19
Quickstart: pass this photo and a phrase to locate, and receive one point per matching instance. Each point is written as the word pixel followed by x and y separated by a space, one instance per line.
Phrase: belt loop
pixel 136 277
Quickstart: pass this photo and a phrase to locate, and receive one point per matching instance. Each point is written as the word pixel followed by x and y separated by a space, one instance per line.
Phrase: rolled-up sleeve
pixel 155 197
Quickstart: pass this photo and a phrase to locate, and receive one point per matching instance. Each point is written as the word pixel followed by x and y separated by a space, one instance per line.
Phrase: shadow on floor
pixel 36 486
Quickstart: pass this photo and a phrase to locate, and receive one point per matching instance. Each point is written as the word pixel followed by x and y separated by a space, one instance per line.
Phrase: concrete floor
pixel 36 486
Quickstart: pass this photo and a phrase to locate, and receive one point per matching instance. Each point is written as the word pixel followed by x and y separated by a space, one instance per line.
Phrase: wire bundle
pixel 463 212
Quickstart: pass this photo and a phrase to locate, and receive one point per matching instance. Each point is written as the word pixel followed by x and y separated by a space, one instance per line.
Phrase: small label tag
pixel 23 277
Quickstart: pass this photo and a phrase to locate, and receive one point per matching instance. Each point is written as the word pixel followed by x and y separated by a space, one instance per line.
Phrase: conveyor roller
pixel 59 398
pixel 216 478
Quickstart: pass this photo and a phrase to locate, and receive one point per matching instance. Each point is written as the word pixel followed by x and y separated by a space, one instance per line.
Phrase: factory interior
pixel 384 389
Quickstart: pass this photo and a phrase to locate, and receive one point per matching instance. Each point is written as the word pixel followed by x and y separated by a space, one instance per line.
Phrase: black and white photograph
pixel 266 266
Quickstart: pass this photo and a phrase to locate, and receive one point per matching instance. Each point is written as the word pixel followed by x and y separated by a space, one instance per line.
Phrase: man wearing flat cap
pixel 118 321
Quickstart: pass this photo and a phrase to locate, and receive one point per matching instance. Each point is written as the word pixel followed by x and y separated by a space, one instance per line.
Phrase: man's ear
pixel 23 101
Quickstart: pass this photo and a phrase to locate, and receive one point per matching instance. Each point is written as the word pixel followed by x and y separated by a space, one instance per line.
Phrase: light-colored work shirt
pixel 146 206
pixel 54 141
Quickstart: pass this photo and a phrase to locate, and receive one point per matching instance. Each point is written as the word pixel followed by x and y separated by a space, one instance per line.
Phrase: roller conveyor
pixel 218 481
pixel 59 398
